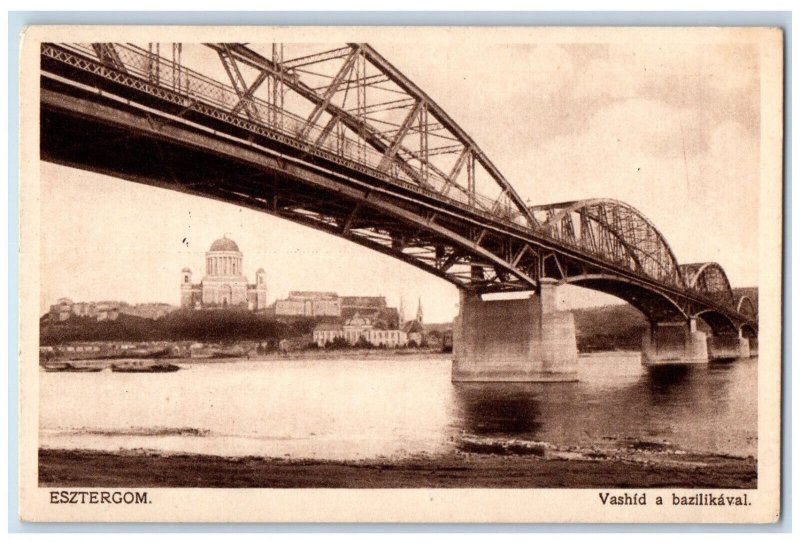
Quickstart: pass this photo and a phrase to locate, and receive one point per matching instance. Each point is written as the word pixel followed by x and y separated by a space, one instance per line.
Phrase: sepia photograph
pixel 447 262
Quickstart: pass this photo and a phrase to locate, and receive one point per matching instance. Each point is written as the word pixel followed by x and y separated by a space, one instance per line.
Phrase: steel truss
pixel 417 187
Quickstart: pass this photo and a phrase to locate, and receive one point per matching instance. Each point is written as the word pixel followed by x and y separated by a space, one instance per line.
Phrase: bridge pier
pixel 753 346
pixel 523 340
pixel 674 343
pixel 728 347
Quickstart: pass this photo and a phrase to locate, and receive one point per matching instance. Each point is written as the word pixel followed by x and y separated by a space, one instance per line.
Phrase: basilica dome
pixel 224 244
pixel 224 284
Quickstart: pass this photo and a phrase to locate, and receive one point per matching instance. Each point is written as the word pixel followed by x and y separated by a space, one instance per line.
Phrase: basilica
pixel 224 284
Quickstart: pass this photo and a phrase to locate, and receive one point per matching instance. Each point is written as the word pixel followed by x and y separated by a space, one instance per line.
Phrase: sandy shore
pixel 81 468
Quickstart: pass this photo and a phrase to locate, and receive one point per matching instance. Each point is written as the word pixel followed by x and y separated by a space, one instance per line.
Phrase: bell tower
pixel 260 290
pixel 186 288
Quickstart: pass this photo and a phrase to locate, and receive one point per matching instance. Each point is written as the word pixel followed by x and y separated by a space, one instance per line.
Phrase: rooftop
pixel 224 244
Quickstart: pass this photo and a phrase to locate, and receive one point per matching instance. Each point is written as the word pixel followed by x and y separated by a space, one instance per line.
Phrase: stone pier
pixel 674 343
pixel 728 347
pixel 753 346
pixel 523 340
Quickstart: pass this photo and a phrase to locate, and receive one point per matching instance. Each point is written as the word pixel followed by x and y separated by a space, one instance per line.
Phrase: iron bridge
pixel 339 139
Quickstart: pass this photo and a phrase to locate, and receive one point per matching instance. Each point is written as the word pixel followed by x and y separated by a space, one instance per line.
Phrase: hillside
pixel 217 326
pixel 611 327
pixel 618 326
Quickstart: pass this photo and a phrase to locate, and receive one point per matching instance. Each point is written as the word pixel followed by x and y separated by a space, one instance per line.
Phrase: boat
pixel 144 366
pixel 56 367
pixel 118 353
pixel 69 367
pixel 84 369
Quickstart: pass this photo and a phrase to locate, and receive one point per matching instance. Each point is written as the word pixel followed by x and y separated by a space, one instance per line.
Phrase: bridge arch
pixel 720 323
pixel 615 231
pixel 745 306
pixel 709 279
pixel 656 306
pixel 748 331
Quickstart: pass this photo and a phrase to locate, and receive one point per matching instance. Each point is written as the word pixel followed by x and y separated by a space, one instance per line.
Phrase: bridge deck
pixel 168 133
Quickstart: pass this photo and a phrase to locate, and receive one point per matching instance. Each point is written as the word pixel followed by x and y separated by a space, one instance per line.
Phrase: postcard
pixel 400 274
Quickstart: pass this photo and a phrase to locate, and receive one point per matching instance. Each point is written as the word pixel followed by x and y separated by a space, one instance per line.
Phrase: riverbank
pixel 299 355
pixel 83 468
pixel 353 354
pixel 340 354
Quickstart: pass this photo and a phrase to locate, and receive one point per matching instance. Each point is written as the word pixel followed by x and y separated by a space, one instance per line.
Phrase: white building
pixel 224 285
pixel 388 338
pixel 359 330
pixel 326 333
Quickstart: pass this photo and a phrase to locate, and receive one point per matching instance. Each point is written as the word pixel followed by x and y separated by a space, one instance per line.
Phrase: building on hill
pixel 328 304
pixel 148 310
pixel 84 309
pixel 354 305
pixel 224 284
pixel 373 308
pixel 65 308
pixel 61 310
pixel 106 310
pixel 386 318
pixel 309 304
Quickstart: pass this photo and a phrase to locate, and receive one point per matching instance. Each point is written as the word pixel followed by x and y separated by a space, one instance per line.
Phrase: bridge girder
pixel 614 231
pixel 413 135
pixel 321 169
pixel 719 322
pixel 377 219
pixel 745 306
pixel 656 306
pixel 709 279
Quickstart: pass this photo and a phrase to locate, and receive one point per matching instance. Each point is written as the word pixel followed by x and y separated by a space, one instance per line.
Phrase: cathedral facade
pixel 224 284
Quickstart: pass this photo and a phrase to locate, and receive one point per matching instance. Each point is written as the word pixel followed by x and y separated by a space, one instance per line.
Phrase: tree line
pixel 181 325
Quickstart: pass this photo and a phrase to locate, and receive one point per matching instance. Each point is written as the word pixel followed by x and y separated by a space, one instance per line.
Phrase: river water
pixel 354 409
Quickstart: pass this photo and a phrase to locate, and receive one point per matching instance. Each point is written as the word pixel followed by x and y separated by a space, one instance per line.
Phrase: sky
pixel 671 129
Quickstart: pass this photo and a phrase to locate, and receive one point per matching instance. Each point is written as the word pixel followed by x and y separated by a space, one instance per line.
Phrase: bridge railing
pixel 163 72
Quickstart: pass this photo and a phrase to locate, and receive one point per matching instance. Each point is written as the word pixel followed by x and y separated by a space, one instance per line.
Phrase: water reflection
pixel 688 385
pixel 617 402
pixel 661 379
pixel 668 374
pixel 362 409
pixel 725 365
pixel 493 408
